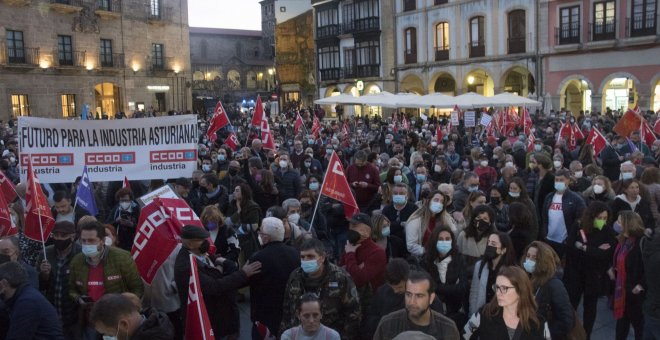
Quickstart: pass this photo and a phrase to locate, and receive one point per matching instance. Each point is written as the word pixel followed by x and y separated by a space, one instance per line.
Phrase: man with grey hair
pixel 10 252
pixel 287 179
pixel 31 316
pixel 267 288
pixel 363 178
pixel 469 185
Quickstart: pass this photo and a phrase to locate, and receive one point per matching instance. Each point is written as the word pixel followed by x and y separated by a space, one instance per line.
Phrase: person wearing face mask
pixel 400 210
pixel 124 217
pixel 340 305
pixel 223 237
pixel 440 173
pixel 448 269
pixel 382 235
pixel 600 190
pixel 541 264
pixel 469 184
pixel 612 156
pixel 499 253
pixel 589 249
pixel 10 252
pixel 363 178
pixel 118 318
pixel 286 178
pixel 217 284
pixel 545 183
pixel 487 174
pixel 267 287
pixel 472 241
pixel 53 274
pixel 501 209
pixel 424 220
pixel 31 316
pixel 579 182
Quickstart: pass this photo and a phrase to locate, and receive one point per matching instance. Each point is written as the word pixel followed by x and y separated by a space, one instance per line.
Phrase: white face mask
pixel 598 189
pixel 437 168
pixel 108 241
pixel 484 163
pixel 284 164
pixel 578 174
pixel 294 218
pixel 124 205
pixel 508 164
pixel 557 164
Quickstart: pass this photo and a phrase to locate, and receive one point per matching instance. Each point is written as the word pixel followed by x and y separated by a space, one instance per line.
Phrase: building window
pixel 19 105
pixel 517 32
pixel 106 53
pixel 348 14
pixel 409 5
pixel 349 63
pixel 368 58
pixel 569 25
pixel 15 47
pixel 155 8
pixel 442 41
pixel 366 16
pixel 157 56
pixel 410 38
pixel 643 18
pixel 604 20
pixel 440 2
pixel 327 23
pixel 477 41
pixel 68 105
pixel 329 62
pixel 64 50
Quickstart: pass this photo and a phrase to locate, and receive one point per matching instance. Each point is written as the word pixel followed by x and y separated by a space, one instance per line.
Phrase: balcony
pixel 441 53
pixel 108 9
pixel 517 45
pixel 372 70
pixel 477 49
pixel 362 25
pixel 71 59
pixel 66 6
pixel 410 57
pixel 160 16
pixel 602 30
pixel 160 65
pixel 568 34
pixel 112 61
pixel 329 31
pixel 25 56
pixel 330 74
pixel 349 72
pixel 642 25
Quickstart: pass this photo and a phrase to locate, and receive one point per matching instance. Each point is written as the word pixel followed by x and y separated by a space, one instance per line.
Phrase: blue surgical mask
pixel 617 227
pixel 398 178
pixel 420 178
pixel 473 188
pixel 386 231
pixel 399 199
pixel 443 247
pixel 560 186
pixel 435 207
pixel 309 267
pixel 387 142
pixel 314 186
pixel 221 157
pixel 626 175
pixel 514 194
pixel 537 147
pixel 310 141
pixel 529 265
pixel 90 250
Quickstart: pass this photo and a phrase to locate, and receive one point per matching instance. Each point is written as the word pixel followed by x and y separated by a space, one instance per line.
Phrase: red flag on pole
pixel 258 116
pixel 232 141
pixel 345 130
pixel 598 141
pixel 646 134
pixel 126 184
pixel 316 127
pixel 7 227
pixel 405 124
pixel 335 186
pixel 198 325
pixel 530 143
pixel 656 126
pixel 7 187
pixel 438 134
pixel 299 122
pixel 39 221
pixel 266 136
pixel 629 122
pixel 527 122
pixel 219 120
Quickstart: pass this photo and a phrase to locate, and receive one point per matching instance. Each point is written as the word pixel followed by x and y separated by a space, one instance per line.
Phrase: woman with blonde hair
pixel 511 311
pixel 600 190
pixel 381 235
pixel 540 261
pixel 421 223
pixel 223 237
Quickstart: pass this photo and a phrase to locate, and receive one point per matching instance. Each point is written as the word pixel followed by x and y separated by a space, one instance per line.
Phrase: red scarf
pixel 428 231
pixel 620 255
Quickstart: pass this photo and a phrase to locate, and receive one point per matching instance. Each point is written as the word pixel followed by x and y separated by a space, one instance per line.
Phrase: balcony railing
pixel 114 60
pixel 441 53
pixel 330 74
pixel 349 72
pixel 603 30
pixel 477 50
pixel 108 5
pixel 372 70
pixel 568 33
pixel 329 31
pixel 74 59
pixel 370 24
pixel 517 45
pixel 162 14
pixel 22 56
pixel 160 64
pixel 76 3
pixel 642 25
pixel 410 57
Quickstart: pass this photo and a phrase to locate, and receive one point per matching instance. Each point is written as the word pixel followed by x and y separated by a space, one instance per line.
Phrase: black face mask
pixel 233 172
pixel 490 253
pixel 495 200
pixel 204 247
pixel 203 190
pixel 62 244
pixel 353 237
pixel 4 258
pixel 482 225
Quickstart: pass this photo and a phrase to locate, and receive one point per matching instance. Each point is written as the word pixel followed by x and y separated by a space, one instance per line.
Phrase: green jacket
pixel 119 269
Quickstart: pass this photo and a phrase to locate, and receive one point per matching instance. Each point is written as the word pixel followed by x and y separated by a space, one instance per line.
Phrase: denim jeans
pixel 651 328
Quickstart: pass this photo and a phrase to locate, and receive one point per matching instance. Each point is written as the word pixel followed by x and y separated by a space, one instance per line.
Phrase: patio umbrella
pixel 343 99
pixel 510 99
pixel 471 100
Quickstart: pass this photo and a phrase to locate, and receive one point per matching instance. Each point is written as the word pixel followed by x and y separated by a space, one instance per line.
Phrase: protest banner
pixel 470 119
pixel 147 148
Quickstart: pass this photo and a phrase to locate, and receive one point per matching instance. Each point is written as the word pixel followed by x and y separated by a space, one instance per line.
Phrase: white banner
pixel 143 148
pixel 470 119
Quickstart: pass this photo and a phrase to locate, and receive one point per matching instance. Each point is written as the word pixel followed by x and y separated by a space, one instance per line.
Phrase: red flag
pixel 7 187
pixel 598 141
pixel 299 122
pixel 405 124
pixel 7 227
pixel 39 221
pixel 158 232
pixel 316 127
pixel 232 141
pixel 647 134
pixel 438 134
pixel 490 129
pixel 219 120
pixel 345 130
pixel 527 122
pixel 629 122
pixel 266 136
pixel 656 126
pixel 198 325
pixel 126 184
pixel 335 186
pixel 258 113
pixel 530 142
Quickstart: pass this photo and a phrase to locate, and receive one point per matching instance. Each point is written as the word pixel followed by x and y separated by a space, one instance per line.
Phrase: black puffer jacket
pixel 552 298
pixel 157 326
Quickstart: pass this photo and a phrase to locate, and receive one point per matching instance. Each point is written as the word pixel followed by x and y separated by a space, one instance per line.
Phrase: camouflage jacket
pixel 340 304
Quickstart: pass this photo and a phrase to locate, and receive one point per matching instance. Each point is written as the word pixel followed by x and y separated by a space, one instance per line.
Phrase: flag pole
pixel 41 226
pixel 311 223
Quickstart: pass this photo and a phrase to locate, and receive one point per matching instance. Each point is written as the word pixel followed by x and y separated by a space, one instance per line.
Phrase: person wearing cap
pixel 217 284
pixel 54 274
pixel 267 288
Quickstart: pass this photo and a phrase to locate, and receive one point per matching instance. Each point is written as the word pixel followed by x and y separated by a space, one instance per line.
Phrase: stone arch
pixel 330 90
pixel 570 78
pixel 524 76
pixel 482 77
pixel 251 80
pixel 615 75
pixel 234 79
pixel 412 83
pixel 443 80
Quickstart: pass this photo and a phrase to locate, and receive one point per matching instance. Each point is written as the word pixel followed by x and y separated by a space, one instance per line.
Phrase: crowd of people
pixel 464 236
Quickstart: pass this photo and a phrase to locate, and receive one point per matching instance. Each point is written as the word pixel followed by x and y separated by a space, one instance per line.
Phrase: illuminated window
pixel 19 105
pixel 68 105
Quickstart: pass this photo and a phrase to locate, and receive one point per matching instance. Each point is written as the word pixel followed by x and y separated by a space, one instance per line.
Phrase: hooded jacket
pixel 156 326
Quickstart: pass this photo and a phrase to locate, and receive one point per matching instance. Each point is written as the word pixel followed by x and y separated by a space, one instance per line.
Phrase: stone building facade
pixel 58 55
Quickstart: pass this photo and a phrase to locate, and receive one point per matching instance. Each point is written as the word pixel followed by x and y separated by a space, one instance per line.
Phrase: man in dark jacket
pixel 217 286
pixel 211 192
pixel 651 257
pixel 469 185
pixel 363 179
pixel 31 316
pixel 63 210
pixel 561 209
pixel 267 288
pixel 116 314
pixel 287 179
pixel 399 210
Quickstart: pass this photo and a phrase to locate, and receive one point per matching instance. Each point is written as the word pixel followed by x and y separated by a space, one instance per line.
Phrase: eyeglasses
pixel 501 289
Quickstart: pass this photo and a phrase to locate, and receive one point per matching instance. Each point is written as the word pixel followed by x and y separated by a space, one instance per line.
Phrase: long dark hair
pixel 246 193
pixel 594 209
pixel 432 252
pixel 526 302
pixel 524 195
pixel 471 229
pixel 519 216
